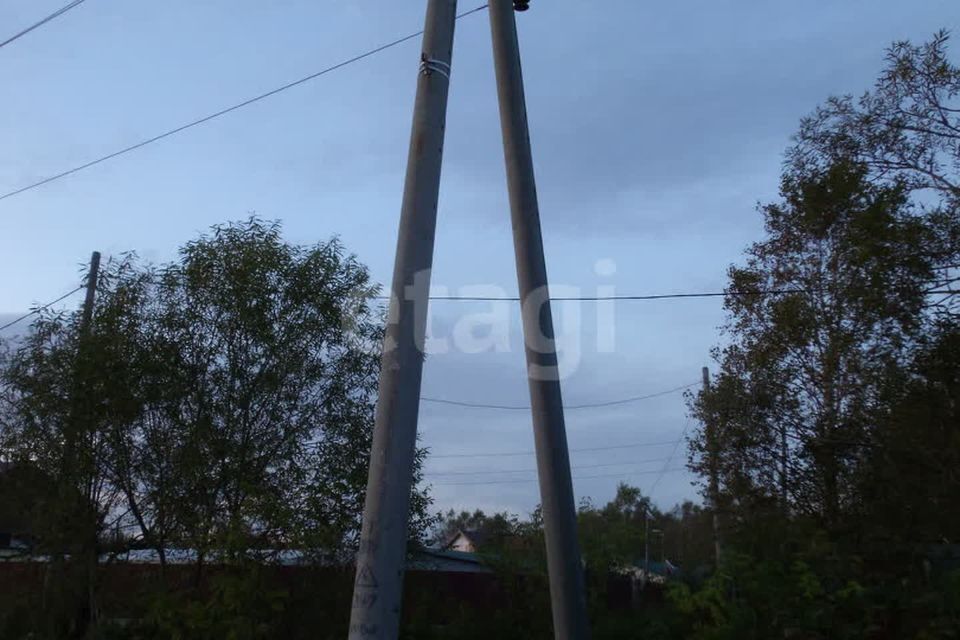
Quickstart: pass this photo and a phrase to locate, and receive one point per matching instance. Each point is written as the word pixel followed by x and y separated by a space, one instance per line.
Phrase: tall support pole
pixel 553 461
pixel 378 586
pixel 86 318
pixel 88 299
pixel 713 448
pixel 74 536
pixel 88 534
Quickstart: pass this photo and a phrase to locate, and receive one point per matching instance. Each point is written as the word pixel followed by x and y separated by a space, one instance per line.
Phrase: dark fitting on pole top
pixel 521 5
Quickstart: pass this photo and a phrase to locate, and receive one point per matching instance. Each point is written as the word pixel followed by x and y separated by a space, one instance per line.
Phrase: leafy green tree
pixel 835 401
pixel 60 400
pixel 905 129
pixel 911 485
pixel 270 389
pixel 222 402
pixel 612 537
pixel 797 396
pixel 688 537
pixel 906 132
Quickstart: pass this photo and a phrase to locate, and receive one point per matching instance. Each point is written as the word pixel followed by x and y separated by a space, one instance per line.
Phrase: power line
pixel 603 475
pixel 676 446
pixel 225 111
pixel 507 407
pixel 504 454
pixel 656 296
pixel 577 467
pixel 55 14
pixel 39 309
pixel 589 405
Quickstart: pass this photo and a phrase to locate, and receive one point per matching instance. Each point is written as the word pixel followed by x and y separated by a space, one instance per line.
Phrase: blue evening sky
pixel 656 127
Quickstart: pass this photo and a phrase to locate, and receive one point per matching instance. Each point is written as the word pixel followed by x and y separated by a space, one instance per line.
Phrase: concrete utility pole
pixel 713 453
pixel 92 275
pixel 86 318
pixel 553 460
pixel 71 514
pixel 378 587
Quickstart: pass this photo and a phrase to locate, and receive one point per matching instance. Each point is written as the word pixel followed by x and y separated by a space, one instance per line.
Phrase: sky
pixel 656 129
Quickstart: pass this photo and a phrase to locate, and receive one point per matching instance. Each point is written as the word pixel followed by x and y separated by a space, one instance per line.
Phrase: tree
pixel 911 485
pixel 688 536
pixel 60 401
pixel 797 394
pixel 273 380
pixel 906 132
pixel 612 537
pixel 835 401
pixel 223 402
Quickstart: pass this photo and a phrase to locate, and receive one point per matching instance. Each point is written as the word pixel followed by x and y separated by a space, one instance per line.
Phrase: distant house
pixel 465 541
pixel 448 561
pixel 419 560
pixel 655 572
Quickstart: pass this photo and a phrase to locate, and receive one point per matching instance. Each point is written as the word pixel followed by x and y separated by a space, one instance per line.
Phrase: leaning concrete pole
pixel 378 586
pixel 553 460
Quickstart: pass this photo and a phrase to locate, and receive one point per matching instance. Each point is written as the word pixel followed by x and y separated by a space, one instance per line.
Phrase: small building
pixel 446 561
pixel 642 573
pixel 465 541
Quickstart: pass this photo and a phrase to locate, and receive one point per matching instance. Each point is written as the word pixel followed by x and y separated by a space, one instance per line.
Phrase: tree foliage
pixel 806 367
pixel 221 403
pixel 905 132
pixel 835 401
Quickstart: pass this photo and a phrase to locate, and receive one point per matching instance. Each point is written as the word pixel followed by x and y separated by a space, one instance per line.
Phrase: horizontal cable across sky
pixel 39 309
pixel 632 445
pixel 588 405
pixel 56 14
pixel 434 474
pixel 225 111
pixel 575 478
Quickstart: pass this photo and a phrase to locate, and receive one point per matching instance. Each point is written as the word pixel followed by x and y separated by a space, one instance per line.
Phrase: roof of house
pixel 448 561
pixel 476 537
pixel 655 571
pixel 421 560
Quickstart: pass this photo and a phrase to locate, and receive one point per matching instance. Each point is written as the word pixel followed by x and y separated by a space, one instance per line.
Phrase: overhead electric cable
pixel 56 14
pixel 633 445
pixel 676 446
pixel 576 467
pixel 588 405
pixel 654 296
pixel 575 478
pixel 223 112
pixel 39 309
